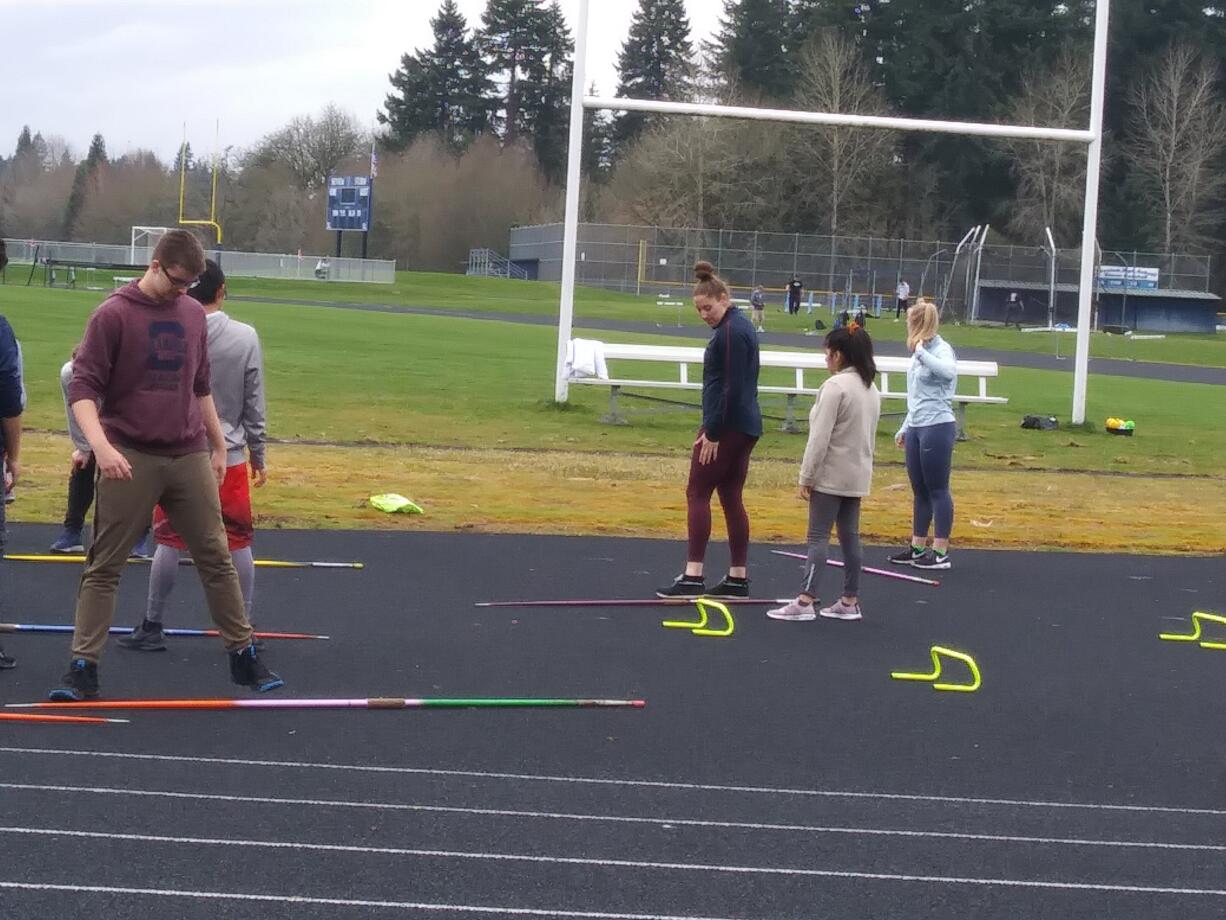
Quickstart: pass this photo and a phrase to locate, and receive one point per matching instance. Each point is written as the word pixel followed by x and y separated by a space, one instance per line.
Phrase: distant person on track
pixel 837 471
pixel 11 404
pixel 927 435
pixel 795 289
pixel 236 375
pixel 1015 309
pixel 757 300
pixel 903 294
pixel 140 392
pixel 731 426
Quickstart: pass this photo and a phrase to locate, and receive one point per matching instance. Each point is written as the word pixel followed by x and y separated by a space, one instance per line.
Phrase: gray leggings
pixel 824 512
pixel 166 566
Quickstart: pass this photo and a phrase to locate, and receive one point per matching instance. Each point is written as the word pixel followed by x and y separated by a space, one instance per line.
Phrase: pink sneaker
pixel 793 610
pixel 840 611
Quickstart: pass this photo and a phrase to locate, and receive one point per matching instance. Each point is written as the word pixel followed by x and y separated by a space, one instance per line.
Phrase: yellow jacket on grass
pixel 838 459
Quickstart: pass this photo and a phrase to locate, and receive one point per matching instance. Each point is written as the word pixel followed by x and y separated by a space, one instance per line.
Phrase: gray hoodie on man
pixel 236 372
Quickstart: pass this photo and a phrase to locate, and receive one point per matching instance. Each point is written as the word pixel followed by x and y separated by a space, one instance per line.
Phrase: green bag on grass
pixel 392 503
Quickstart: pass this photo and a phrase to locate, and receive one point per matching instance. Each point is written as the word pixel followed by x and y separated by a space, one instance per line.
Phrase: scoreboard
pixel 349 203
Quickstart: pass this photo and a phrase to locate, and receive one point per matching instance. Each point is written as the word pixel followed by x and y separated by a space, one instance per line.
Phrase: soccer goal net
pixel 144 239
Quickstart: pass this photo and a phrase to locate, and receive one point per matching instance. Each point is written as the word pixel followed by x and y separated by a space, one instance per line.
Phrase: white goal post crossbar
pixel 1092 137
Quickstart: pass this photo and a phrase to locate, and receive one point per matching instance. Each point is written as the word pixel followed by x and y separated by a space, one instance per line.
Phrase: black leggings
pixel 80 495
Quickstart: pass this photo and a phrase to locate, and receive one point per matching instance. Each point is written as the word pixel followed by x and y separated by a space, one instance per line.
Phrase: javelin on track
pixel 124 630
pixel 372 703
pixel 71 720
pixel 263 563
pixel 884 573
pixel 637 602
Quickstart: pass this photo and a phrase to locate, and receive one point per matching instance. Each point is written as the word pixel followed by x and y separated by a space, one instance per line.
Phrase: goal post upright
pixel 1091 136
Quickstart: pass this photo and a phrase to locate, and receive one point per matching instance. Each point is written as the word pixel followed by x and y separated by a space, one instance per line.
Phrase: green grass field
pixel 350 376
pixel 493 295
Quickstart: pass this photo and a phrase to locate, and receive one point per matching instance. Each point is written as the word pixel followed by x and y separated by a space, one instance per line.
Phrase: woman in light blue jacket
pixel 927 435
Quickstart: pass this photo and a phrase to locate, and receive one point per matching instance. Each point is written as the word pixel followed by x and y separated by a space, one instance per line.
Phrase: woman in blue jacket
pixel 731 426
pixel 12 402
pixel 927 435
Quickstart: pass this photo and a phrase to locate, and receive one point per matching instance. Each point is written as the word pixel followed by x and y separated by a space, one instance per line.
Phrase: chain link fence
pixel 838 271
pixel 236 264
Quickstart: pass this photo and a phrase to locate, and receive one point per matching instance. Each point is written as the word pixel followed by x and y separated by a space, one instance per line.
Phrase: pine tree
pixel 654 63
pixel 753 44
pixel 445 89
pixel 597 143
pixel 84 180
pixel 183 159
pixel 510 31
pixel 25 143
pixel 546 108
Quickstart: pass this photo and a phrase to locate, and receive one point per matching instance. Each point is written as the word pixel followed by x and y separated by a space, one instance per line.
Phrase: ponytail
pixel 855 346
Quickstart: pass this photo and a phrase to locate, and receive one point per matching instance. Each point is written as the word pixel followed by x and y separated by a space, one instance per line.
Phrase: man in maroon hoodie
pixel 140 392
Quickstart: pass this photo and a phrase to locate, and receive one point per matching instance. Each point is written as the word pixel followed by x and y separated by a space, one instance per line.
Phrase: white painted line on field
pixel 699 868
pixel 346 902
pixel 596 781
pixel 613 819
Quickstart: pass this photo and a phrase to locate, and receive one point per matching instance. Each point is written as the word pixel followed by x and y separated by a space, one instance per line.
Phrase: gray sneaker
pixel 148 637
pixel 840 611
pixel 793 610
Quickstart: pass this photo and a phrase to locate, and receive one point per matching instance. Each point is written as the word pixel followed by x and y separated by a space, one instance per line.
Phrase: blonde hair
pixel 708 283
pixel 923 321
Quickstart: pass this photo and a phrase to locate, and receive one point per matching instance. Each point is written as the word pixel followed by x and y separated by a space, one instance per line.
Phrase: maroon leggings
pixel 725 475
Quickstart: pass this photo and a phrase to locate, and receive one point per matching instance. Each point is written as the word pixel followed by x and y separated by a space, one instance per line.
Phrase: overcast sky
pixel 136 70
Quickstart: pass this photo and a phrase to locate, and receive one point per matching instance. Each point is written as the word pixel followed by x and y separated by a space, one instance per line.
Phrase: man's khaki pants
pixel 186 489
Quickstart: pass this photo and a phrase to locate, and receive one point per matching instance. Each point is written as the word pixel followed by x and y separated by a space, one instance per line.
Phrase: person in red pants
pixel 731 426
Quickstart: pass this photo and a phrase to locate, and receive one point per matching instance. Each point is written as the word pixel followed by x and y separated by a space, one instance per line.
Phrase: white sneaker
pixel 840 611
pixel 793 610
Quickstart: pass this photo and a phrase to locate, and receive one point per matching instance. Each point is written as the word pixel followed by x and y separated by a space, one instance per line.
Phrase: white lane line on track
pixel 636 783
pixel 345 902
pixel 698 868
pixel 614 819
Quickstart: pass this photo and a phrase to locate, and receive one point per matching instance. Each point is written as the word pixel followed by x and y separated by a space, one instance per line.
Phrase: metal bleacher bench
pixel 683 357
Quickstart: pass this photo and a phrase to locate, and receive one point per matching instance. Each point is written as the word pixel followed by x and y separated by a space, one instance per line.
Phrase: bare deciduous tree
pixel 1050 175
pixel 833 167
pixel 311 148
pixel 1175 146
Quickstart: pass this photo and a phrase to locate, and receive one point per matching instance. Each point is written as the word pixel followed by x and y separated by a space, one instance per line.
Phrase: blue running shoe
pixel 143 548
pixel 247 670
pixel 69 542
pixel 80 683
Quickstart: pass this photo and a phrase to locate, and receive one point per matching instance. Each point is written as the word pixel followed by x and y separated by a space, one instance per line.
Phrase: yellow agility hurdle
pixel 937 652
pixel 699 627
pixel 1198 618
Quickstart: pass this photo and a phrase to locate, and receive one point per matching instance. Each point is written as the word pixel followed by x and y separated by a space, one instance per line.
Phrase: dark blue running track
pixel 778 773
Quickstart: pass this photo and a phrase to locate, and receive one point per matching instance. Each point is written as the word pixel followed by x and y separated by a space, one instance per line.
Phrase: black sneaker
pixel 247 670
pixel 80 683
pixel 6 661
pixel 930 559
pixel 148 637
pixel 907 556
pixel 684 586
pixel 730 588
